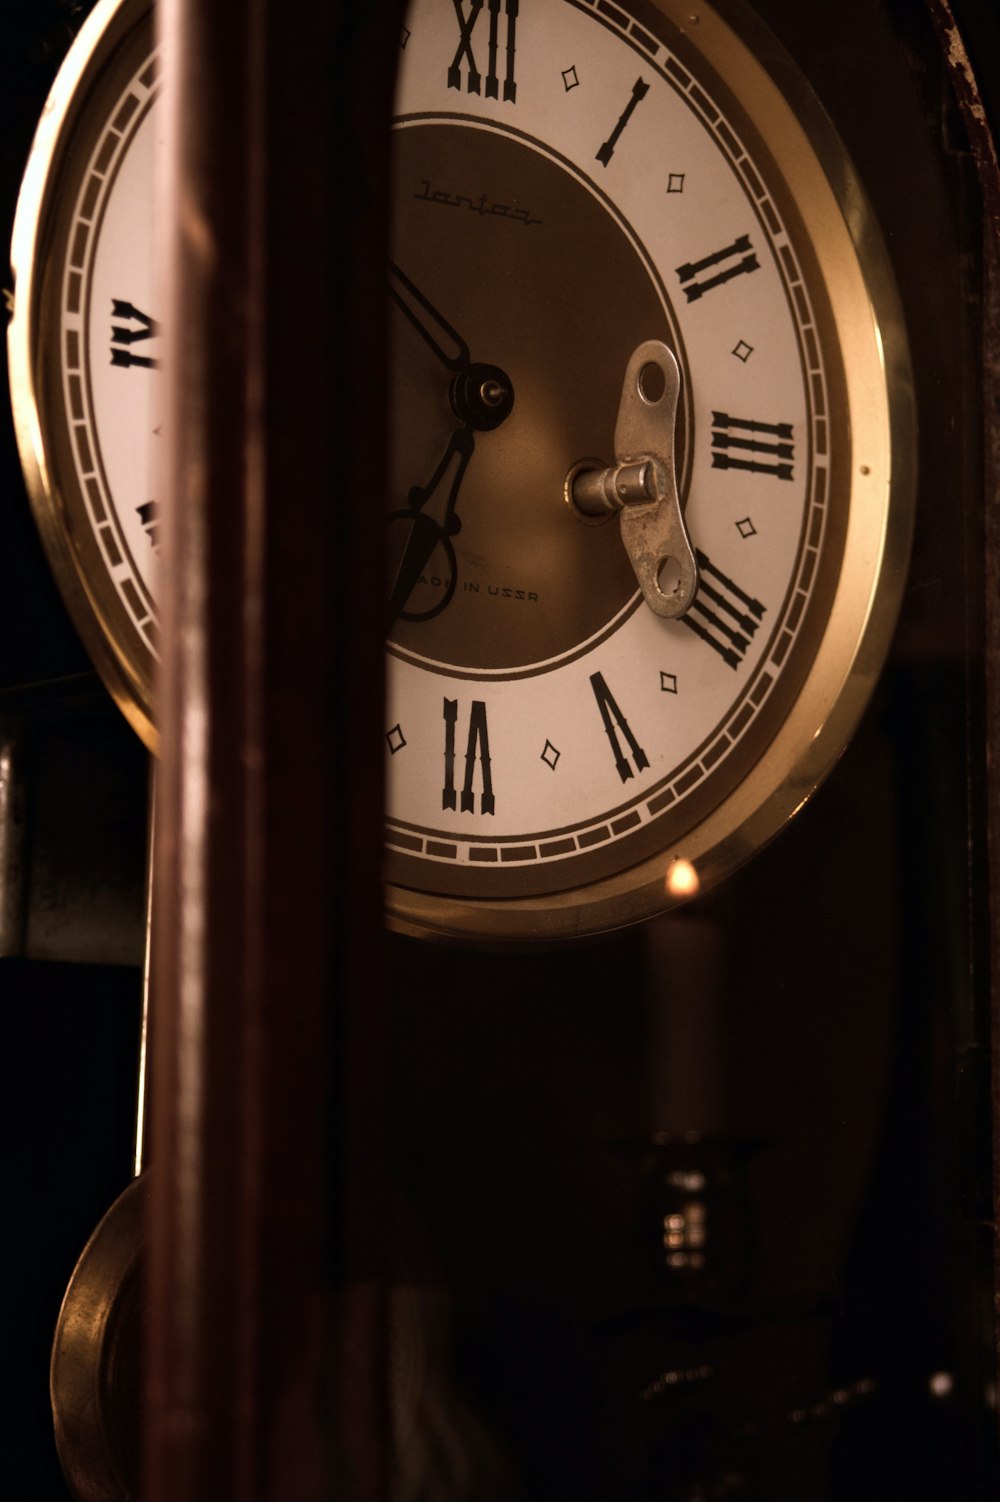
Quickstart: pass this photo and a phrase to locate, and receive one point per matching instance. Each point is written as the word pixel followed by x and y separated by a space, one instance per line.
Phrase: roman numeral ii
pixel 699 277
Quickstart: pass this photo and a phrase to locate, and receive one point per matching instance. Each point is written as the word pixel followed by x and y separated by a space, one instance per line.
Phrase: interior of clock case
pixel 708 1205
pixel 788 1079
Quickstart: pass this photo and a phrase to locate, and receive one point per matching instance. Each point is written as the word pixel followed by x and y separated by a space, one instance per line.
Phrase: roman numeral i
pixel 607 150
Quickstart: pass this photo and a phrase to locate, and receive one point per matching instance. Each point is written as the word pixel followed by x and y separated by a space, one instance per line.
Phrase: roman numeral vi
pixel 477 746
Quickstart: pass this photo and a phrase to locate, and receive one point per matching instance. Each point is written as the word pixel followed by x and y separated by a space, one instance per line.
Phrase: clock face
pixel 84 343
pixel 572 181
pixel 615 243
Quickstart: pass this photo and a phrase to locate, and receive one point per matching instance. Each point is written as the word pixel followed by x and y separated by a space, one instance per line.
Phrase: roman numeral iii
pixel 477 747
pixel 503 34
pixel 763 448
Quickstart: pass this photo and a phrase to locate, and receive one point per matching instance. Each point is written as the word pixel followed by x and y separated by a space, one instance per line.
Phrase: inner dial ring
pixel 540 276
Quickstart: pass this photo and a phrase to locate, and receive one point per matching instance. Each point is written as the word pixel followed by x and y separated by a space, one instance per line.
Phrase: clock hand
pixel 427 533
pixel 427 321
pixel 481 395
pixel 642 486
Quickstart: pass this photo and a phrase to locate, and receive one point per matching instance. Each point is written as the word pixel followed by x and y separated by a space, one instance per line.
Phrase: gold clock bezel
pixel 842 234
pixel 115 33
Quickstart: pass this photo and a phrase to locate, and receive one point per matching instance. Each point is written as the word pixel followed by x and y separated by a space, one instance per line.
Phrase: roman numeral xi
pixel 133 328
pixel 464 52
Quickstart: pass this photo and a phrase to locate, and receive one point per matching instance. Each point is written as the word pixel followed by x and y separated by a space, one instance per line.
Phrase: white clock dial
pixel 571 181
pixel 85 345
pixel 119 335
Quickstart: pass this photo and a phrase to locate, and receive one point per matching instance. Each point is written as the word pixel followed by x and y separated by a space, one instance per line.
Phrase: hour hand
pixel 449 346
pixel 642 485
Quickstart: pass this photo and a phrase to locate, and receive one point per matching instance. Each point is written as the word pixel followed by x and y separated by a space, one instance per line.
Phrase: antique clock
pixel 682 374
pixel 588 699
pixel 575 702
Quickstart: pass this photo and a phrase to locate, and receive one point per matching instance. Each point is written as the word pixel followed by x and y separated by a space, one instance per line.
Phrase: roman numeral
pixel 464 53
pixel 122 337
pixel 477 747
pixel 149 517
pixel 741 260
pixel 735 445
pixel 639 91
pixel 615 721
pixel 722 613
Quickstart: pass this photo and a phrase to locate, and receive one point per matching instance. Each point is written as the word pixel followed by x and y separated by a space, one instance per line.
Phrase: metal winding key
pixel 642 485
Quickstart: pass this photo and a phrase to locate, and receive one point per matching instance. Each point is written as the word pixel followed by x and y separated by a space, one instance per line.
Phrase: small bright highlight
pixel 682 879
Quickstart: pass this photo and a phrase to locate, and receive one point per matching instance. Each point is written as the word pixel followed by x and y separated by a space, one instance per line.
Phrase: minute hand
pixel 449 346
pixel 427 533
